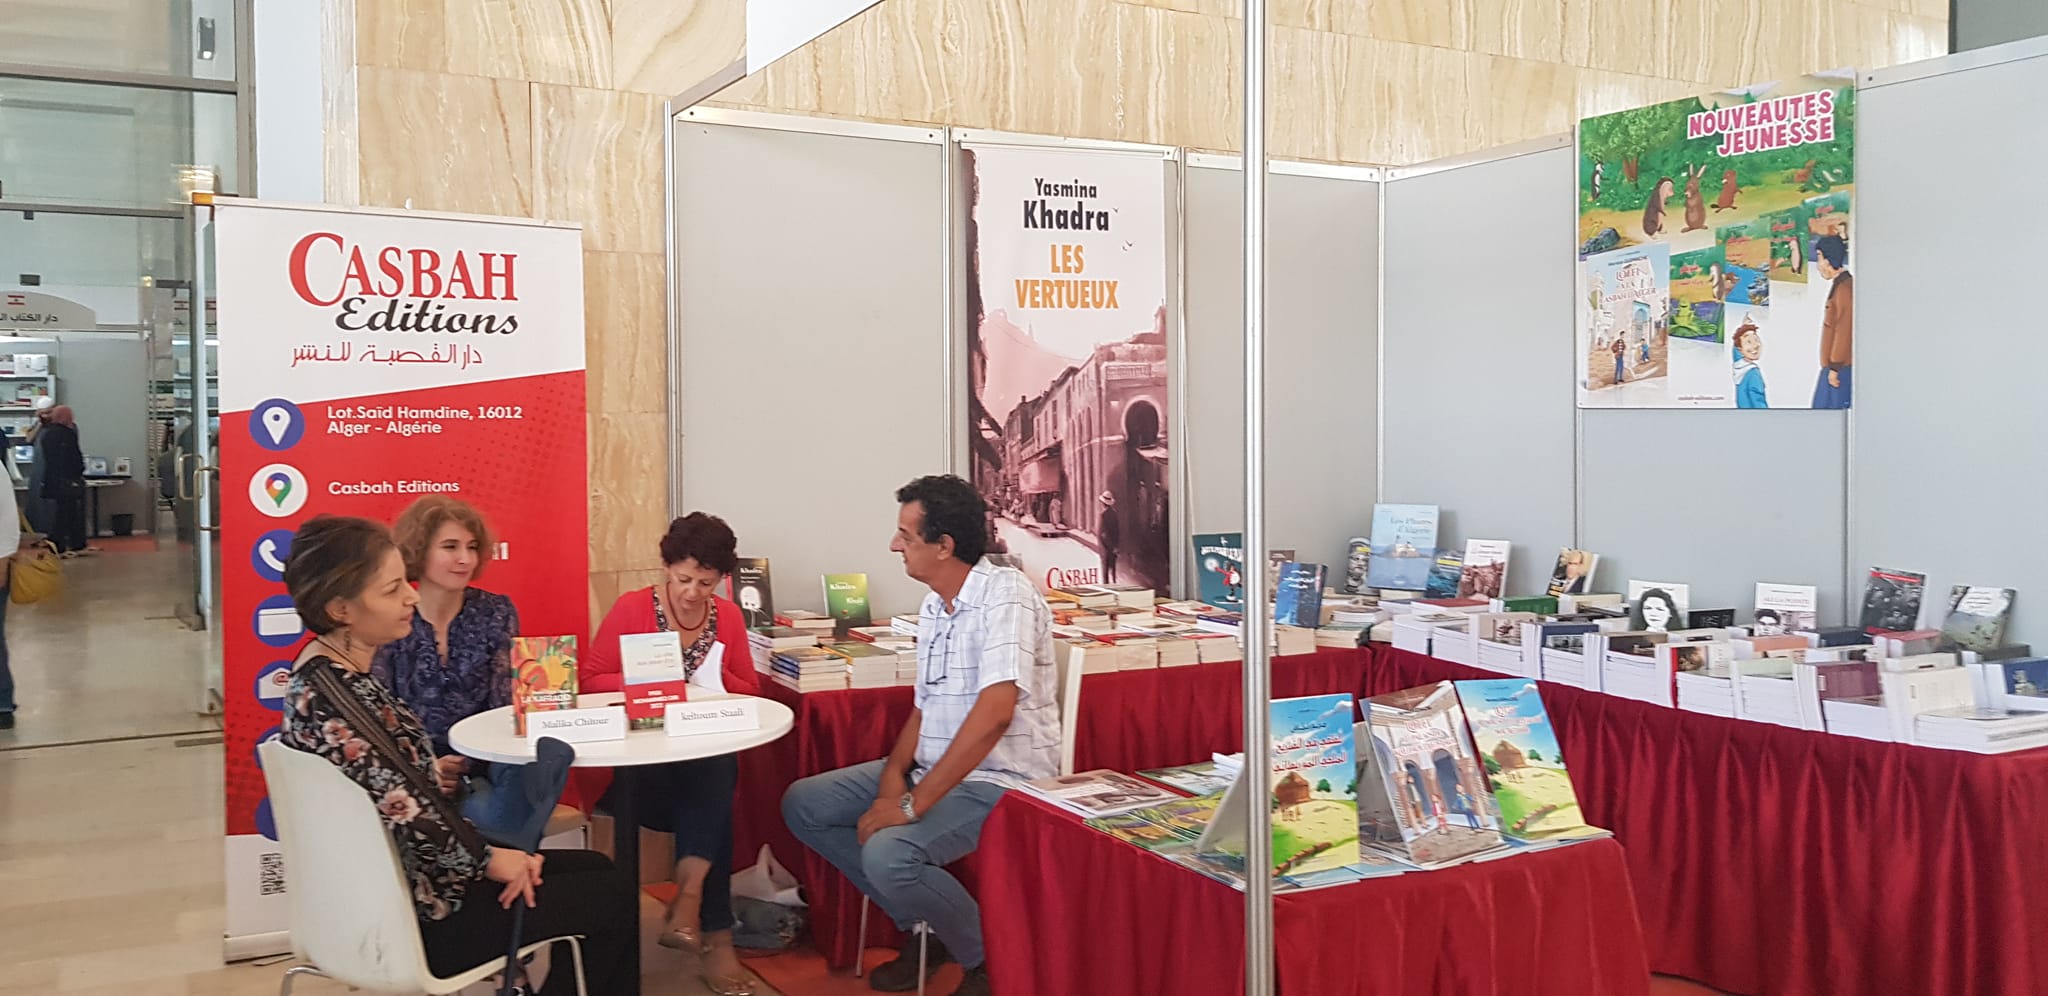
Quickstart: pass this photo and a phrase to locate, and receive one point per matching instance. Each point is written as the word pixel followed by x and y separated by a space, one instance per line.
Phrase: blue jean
pixel 902 868
pixel 497 802
pixel 6 672
pixel 1826 396
pixel 693 801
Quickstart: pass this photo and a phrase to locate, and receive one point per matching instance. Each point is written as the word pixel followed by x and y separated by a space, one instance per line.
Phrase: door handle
pixel 184 487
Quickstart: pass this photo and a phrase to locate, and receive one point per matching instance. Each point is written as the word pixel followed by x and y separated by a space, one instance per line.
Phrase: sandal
pixel 682 933
pixel 727 985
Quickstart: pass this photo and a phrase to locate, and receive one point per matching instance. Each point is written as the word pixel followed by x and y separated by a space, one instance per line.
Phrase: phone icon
pixel 272 549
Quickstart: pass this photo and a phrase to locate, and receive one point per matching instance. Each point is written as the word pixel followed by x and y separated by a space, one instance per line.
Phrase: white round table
pixel 488 736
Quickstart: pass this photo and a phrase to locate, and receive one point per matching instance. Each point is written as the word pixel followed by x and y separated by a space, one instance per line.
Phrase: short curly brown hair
pixel 422 519
pixel 701 537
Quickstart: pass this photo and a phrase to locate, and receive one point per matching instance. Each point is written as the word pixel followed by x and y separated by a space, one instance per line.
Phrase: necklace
pixel 702 617
pixel 346 657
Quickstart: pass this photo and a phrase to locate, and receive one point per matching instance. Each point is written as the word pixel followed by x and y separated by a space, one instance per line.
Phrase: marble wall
pixel 552 108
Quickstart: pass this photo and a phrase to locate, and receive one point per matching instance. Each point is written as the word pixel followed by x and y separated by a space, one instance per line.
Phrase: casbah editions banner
pixel 1067 415
pixel 367 359
pixel 1715 251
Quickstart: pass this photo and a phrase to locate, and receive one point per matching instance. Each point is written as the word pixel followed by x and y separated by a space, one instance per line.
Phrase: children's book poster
pixel 1715 252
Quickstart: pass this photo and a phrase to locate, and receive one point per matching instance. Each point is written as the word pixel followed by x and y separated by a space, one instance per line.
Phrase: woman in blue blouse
pixel 457 661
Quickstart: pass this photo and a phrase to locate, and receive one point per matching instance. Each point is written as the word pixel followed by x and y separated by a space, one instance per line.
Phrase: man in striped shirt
pixel 986 720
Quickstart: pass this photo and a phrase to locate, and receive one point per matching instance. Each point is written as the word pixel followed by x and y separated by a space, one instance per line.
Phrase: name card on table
pixel 687 719
pixel 579 726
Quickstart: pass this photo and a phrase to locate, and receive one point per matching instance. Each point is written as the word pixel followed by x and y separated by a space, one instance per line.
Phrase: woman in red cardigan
pixel 691 799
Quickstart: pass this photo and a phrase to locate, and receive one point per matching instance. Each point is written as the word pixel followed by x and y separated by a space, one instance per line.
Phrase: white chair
pixel 1067 691
pixel 351 904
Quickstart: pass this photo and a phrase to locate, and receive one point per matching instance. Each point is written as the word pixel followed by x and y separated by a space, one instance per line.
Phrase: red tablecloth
pixel 1128 720
pixel 1083 912
pixel 1780 861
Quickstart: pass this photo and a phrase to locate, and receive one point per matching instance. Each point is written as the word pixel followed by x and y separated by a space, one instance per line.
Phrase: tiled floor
pixel 110 860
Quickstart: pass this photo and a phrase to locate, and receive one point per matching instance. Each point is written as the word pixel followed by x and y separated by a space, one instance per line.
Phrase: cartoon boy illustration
pixel 1749 378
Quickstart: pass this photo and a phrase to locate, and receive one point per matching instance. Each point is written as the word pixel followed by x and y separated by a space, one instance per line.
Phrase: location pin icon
pixel 277 422
pixel 279 487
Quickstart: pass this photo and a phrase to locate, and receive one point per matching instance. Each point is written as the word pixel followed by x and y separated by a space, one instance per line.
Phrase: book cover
pixel 846 601
pixel 1403 546
pixel 1275 560
pixel 1697 295
pixel 651 669
pixel 1976 617
pixel 1099 793
pixel 1785 608
pixel 1200 778
pixel 2024 682
pixel 1219 569
pixel 543 676
pixel 1315 806
pixel 1423 797
pixel 1542 605
pixel 1658 606
pixel 1357 564
pixel 1486 569
pixel 1134 828
pixel 1532 790
pixel 1710 619
pixel 1891 600
pixel 1176 823
pixel 753 592
pixel 1299 598
pixel 1444 575
pixel 1573 574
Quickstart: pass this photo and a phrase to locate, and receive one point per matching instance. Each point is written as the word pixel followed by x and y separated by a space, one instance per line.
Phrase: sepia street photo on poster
pixel 1067 361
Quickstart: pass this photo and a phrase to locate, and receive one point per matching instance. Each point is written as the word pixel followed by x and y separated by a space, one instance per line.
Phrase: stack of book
pixel 809 669
pixel 816 623
pixel 868 665
pixel 1094 794
pixel 1981 730
pixel 768 642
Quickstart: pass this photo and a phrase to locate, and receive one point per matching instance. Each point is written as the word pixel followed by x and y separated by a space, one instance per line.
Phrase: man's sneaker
pixel 900 975
pixel 974 983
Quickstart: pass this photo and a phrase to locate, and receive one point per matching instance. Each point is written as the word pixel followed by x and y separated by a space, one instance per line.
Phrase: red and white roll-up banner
pixel 368 358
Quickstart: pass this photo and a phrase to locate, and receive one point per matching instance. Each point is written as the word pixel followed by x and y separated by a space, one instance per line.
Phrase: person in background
pixel 348 580
pixel 63 463
pixel 1111 535
pixel 457 660
pixel 691 799
pixel 986 720
pixel 10 541
pixel 34 505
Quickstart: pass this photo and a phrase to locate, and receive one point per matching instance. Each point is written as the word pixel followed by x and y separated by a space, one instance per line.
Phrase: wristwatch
pixel 909 807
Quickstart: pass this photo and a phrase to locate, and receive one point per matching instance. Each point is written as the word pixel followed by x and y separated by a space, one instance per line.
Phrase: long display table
pixel 1083 912
pixel 1777 861
pixel 1128 720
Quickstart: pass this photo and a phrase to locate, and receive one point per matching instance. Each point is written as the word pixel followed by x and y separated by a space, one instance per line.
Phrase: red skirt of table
pixel 1780 861
pixel 1082 912
pixel 1128 720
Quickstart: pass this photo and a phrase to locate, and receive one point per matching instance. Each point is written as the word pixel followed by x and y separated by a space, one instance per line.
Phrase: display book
pixel 543 676
pixel 751 587
pixel 1409 788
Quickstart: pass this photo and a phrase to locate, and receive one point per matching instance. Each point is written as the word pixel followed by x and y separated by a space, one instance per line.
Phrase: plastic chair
pixel 354 922
pixel 1067 693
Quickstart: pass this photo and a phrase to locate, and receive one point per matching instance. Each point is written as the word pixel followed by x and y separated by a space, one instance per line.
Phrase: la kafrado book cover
pixel 543 676
pixel 651 666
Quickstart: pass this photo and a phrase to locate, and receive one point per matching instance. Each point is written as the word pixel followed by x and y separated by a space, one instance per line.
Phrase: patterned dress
pixel 380 745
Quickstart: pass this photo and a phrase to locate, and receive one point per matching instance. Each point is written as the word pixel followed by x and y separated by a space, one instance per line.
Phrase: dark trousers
pixel 69 533
pixel 580 893
pixel 6 672
pixel 693 801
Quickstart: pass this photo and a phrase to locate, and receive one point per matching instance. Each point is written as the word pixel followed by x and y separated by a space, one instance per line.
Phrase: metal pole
pixel 1257 628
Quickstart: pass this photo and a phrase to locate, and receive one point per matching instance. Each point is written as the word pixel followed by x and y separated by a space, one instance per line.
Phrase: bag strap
pixel 322 674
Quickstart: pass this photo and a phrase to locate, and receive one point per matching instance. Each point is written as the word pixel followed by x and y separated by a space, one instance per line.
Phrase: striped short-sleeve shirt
pixel 999 630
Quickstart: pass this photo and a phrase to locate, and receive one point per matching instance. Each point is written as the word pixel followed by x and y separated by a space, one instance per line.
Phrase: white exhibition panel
pixel 1477 413
pixel 811 271
pixel 1322 364
pixel 1949 473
